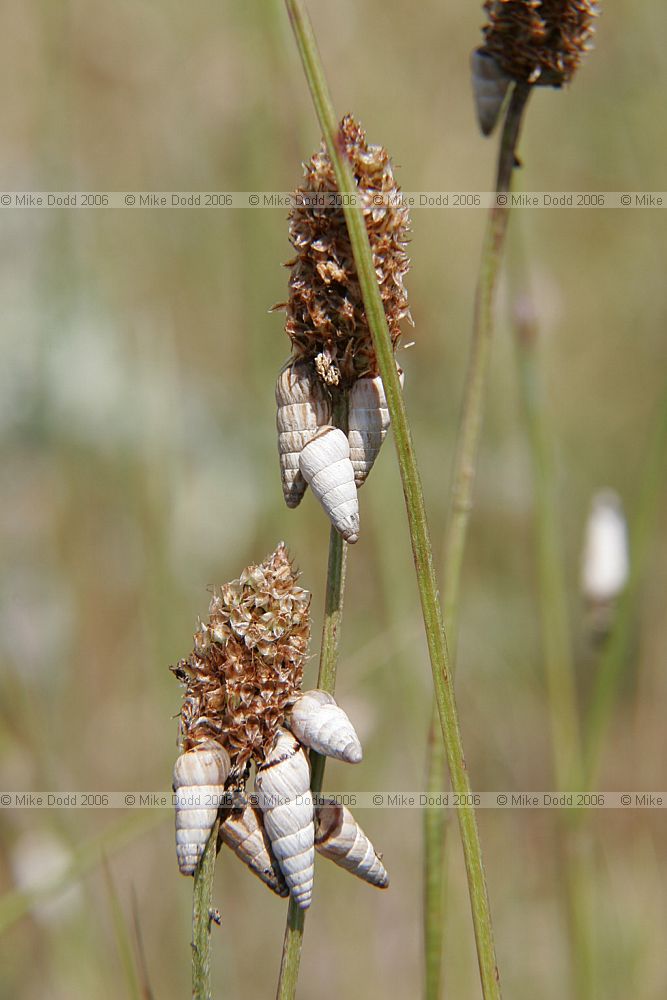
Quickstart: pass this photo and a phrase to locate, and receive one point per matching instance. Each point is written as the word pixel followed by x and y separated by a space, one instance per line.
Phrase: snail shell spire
pixel 283 786
pixel 243 831
pixel 325 465
pixel 320 724
pixel 368 423
pixel 339 837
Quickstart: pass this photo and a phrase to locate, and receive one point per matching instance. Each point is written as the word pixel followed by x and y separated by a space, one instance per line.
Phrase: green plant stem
pixel 122 934
pixel 419 535
pixel 291 957
pixel 326 681
pixel 434 830
pixel 465 462
pixel 463 479
pixel 202 898
pixel 141 965
pixel 556 643
pixel 610 671
pixel 562 696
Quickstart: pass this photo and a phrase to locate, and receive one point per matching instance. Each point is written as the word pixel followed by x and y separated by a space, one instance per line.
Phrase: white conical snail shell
pixel 339 837
pixel 243 831
pixel 320 724
pixel 489 86
pixel 283 778
pixel 325 465
pixel 368 423
pixel 199 783
pixel 303 407
pixel 605 564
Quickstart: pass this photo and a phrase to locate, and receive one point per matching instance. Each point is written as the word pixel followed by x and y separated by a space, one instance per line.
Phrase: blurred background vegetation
pixel 139 467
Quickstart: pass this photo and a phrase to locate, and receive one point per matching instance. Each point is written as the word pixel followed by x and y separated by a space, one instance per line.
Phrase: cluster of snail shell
pixel 316 454
pixel 278 831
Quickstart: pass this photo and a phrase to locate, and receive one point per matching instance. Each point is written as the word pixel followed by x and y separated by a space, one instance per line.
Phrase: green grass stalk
pixel 556 633
pixel 434 828
pixel 145 990
pixel 123 935
pixel 463 479
pixel 202 898
pixel 419 534
pixel 610 671
pixel 326 681
pixel 566 744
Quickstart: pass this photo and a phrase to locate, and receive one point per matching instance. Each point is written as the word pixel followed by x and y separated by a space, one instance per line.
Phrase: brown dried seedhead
pixel 247 661
pixel 326 320
pixel 539 41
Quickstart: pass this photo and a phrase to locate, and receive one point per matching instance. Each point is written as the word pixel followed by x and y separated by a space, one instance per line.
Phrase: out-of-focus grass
pixel 139 466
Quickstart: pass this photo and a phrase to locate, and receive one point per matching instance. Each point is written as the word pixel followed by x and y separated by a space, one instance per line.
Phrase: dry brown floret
pixel 247 662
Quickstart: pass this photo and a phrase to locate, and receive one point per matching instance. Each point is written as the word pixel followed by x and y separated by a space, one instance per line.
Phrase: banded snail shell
pixel 489 86
pixel 281 780
pixel 325 465
pixel 339 837
pixel 320 724
pixel 199 776
pixel 243 831
pixel 368 423
pixel 303 407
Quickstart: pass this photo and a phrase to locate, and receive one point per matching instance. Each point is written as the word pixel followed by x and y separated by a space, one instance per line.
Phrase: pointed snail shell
pixel 318 723
pixel 199 775
pixel 283 778
pixel 303 407
pixel 605 564
pixel 339 837
pixel 243 831
pixel 325 465
pixel 489 85
pixel 368 423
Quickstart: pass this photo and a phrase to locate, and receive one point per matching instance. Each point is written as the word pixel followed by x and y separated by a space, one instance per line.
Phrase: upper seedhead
pixel 539 41
pixel 326 320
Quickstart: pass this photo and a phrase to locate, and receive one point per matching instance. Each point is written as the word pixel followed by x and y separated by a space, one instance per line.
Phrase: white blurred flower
pixel 39 860
pixel 605 563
